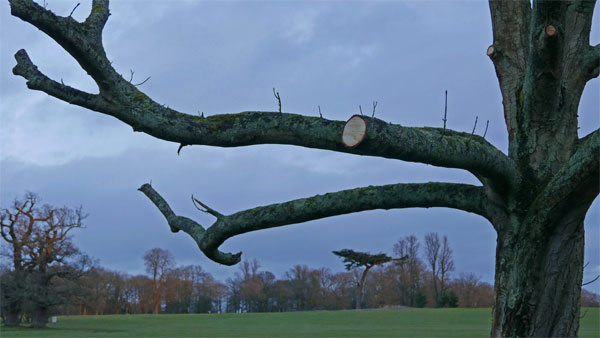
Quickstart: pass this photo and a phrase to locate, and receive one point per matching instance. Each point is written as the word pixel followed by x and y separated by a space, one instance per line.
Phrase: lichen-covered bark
pixel 538 278
pixel 121 99
pixel 536 196
pixel 540 244
pixel 393 196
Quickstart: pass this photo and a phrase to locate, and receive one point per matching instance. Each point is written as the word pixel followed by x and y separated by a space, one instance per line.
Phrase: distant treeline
pixel 189 289
pixel 43 273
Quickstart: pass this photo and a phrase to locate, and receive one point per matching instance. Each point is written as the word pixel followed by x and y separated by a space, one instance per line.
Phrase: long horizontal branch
pixel 424 145
pixel 121 99
pixel 422 195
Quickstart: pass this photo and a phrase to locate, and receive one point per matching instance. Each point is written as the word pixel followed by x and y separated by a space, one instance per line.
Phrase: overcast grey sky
pixel 225 57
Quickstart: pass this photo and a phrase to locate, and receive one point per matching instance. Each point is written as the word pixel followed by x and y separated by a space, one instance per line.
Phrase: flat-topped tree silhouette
pixel 536 196
pixel 356 259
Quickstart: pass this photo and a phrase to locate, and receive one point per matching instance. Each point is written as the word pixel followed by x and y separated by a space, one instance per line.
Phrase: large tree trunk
pixel 40 317
pixel 538 279
pixel 12 318
pixel 543 61
pixel 11 302
pixel 156 306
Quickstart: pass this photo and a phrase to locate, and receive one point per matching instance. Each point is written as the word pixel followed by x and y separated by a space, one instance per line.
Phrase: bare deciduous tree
pixel 536 196
pixel 411 277
pixel 158 263
pixel 446 265
pixel 432 252
pixel 40 249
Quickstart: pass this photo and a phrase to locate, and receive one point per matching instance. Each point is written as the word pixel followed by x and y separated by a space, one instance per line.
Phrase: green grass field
pixel 366 323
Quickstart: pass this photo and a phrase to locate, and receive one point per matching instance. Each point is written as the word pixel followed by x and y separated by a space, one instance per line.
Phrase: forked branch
pixel 394 196
pixel 570 187
pixel 36 80
pixel 121 99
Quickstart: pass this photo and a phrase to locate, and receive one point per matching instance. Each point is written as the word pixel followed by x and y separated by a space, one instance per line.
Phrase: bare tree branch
pixel 121 99
pixel 540 55
pixel 73 11
pixel 38 81
pixel 570 187
pixel 98 16
pixel 424 195
pixel 510 25
pixel 592 62
pixel 590 282
pixel 206 209
pixel 82 40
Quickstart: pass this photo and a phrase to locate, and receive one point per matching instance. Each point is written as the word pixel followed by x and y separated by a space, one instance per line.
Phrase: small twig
pixel 473 132
pixel 61 81
pixel 207 209
pixel 73 9
pixel 201 115
pixel 141 83
pixel 475 126
pixel 374 107
pixel 278 98
pixel 131 77
pixel 586 264
pixel 360 108
pixel 486 128
pixel 45 4
pixel 445 119
pixel 584 313
pixel 181 146
pixel 321 115
pixel 590 282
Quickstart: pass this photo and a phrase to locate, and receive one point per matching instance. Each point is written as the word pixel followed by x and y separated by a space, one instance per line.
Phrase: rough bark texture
pixel 536 197
pixel 543 62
